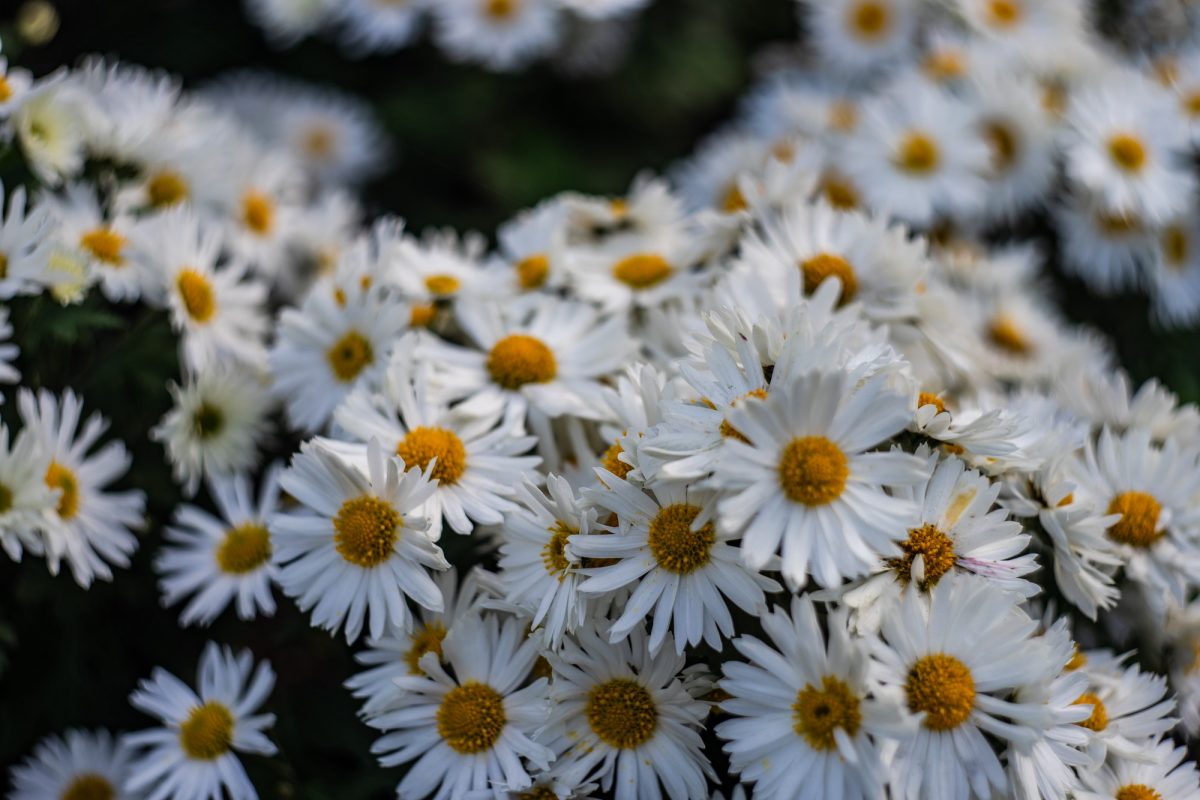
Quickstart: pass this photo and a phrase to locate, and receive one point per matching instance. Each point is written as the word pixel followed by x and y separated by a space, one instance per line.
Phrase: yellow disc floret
pixel 421 445
pixel 89 786
pixel 936 550
pixel 1138 525
pixel 675 546
pixel 813 470
pixel 60 476
pixel 207 733
pixel 471 717
pixel 244 549
pixel 366 530
pixel 1098 719
pixel 350 355
pixel 1127 151
pixel 817 713
pixel 941 686
pixel 196 292
pixel 519 359
pixel 105 245
pixel 621 713
pixel 425 639
pixel 642 270
pixel 829 265
pixel 917 153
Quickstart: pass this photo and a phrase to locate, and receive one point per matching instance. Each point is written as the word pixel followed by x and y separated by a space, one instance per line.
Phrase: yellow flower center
pixel 319 141
pixel 349 355
pixel 1003 141
pixel 1078 659
pixel 917 154
pixel 422 445
pixel 1175 246
pixel 1191 103
pixel 642 270
pixel 554 551
pixel 427 639
pixel 945 65
pixel 675 546
pixel 813 470
pixel 532 271
pixel 207 421
pixel 1118 224
pixel 733 200
pixel 500 10
pixel 1137 791
pixel 422 315
pixel 244 549
pixel 518 359
pixel 60 476
pixel 89 786
pixel 105 245
pixel 826 265
pixel 1004 13
pixel 258 212
pixel 196 291
pixel 207 733
pixel 730 432
pixel 869 19
pixel 1098 720
pixel 6 90
pixel 471 717
pixel 817 713
pixel 538 793
pixel 931 399
pixel 611 461
pixel 936 550
pixel 442 285
pixel 3 265
pixel 942 687
pixel 6 499
pixel 1004 334
pixel 843 116
pixel 621 713
pixel 1138 525
pixel 839 192
pixel 166 189
pixel 1127 151
pixel 366 530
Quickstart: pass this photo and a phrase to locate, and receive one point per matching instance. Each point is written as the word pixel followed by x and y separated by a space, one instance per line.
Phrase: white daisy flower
pixel 534 243
pixel 1128 163
pixel 959 530
pixel 626 719
pixel 502 35
pixel 802 479
pixel 77 765
pixel 469 726
pixel 218 313
pixel 194 755
pixel 15 83
pixel 217 425
pixel 357 547
pixel 540 574
pixel 916 155
pixel 133 105
pixel 803 720
pixel 261 207
pixel 90 527
pixel 546 357
pixel 478 462
pixel 1152 489
pixel 220 559
pixel 51 124
pixel 1161 774
pixel 1103 248
pixel 398 653
pixel 682 567
pixel 1174 271
pixel 1130 709
pixel 955 664
pixel 286 22
pixel 104 243
pixel 27 501
pixel 325 348
pixel 378 26
pixel 861 35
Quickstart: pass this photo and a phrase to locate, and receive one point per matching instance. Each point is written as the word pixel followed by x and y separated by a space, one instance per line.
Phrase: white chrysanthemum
pixel 667 547
pixel 803 720
pixel 398 653
pixel 194 755
pixel 221 559
pixel 52 124
pixel 89 526
pixel 916 155
pixel 325 348
pixel 534 243
pixel 1152 488
pixel 540 574
pixel 955 663
pixel 27 501
pixel 803 483
pixel 1159 772
pixel 104 243
pixel 1174 271
pixel 26 239
pixel 357 548
pixel 626 719
pixel 861 35
pixel 475 461
pixel 1130 709
pixel 502 35
pixel 219 314
pixel 75 766
pixel 469 725
pixel 217 424
pixel 959 530
pixel 1127 139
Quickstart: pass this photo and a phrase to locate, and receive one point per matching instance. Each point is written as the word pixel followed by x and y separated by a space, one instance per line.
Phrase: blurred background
pixel 473 148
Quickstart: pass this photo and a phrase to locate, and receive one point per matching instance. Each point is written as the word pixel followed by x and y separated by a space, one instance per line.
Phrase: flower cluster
pixel 499 35
pixel 787 457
